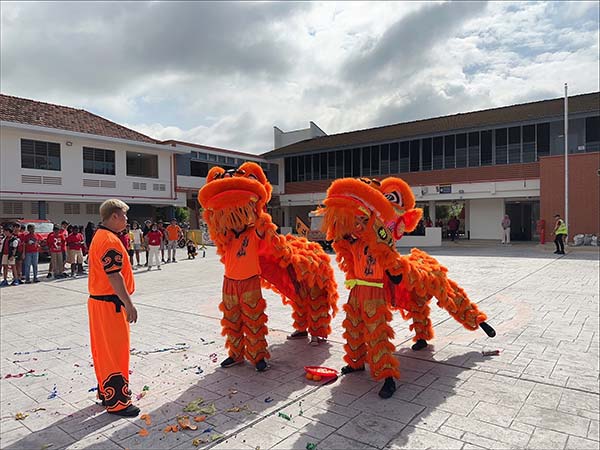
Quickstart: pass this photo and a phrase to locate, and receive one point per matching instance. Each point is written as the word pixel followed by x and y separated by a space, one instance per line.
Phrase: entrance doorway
pixel 523 217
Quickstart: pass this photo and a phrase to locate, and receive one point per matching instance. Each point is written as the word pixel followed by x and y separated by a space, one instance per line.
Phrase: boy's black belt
pixel 110 298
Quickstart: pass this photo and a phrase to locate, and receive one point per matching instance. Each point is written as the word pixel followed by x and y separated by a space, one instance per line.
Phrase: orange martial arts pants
pixel 244 320
pixel 109 334
pixel 368 333
pixel 312 313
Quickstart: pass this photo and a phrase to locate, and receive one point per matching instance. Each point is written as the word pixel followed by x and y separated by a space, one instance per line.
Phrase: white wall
pixel 485 216
pixel 68 183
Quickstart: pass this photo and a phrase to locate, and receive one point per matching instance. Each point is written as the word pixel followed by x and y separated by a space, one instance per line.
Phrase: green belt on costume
pixel 355 282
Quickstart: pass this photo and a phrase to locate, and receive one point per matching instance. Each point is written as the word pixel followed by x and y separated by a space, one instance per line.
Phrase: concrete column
pixel 432 211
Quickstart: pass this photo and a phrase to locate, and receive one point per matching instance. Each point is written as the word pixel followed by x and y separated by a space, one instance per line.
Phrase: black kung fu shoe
pixel 388 389
pixel 348 369
pixel 419 345
pixel 488 329
pixel 130 411
pixel 261 366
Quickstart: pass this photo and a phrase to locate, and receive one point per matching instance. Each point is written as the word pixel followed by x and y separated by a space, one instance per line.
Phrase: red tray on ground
pixel 324 372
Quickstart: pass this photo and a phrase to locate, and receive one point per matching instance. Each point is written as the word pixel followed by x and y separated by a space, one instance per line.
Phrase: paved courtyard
pixel 541 392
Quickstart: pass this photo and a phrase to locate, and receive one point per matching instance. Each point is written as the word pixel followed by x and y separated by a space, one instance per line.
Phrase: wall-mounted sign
pixel 446 189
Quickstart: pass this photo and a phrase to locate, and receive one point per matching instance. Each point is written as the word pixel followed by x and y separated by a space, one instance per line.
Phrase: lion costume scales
pixel 363 218
pixel 253 254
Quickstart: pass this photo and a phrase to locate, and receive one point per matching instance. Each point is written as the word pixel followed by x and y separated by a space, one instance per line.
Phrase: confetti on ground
pixel 42 351
pixel 268 400
pixel 146 388
pixel 232 392
pixel 194 405
pixel 311 446
pixel 199 418
pixel 208 343
pixel 216 437
pixel 237 409
pixel 197 442
pixel 198 369
pixel 21 416
pixel 36 376
pixel 19 375
pixel 177 348
pixel 171 429
pixel 54 393
pixel 213 357
pixel 146 418
pixel 285 416
pixel 46 446
pixel 143 432
pixel 92 389
pixel 24 360
pixel 184 423
pixel 208 430
pixel 490 353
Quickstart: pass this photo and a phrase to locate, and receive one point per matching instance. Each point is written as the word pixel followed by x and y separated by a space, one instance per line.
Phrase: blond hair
pixel 110 206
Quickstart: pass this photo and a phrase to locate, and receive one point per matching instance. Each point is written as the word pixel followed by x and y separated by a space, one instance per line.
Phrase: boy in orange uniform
pixel 110 309
pixel 174 233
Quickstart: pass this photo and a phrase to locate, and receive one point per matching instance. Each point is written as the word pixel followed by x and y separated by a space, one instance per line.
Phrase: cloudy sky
pixel 223 74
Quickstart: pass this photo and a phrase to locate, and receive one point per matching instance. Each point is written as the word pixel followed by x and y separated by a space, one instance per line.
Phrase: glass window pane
pixel 323 158
pixel 394 156
pixel 426 145
pixel 331 165
pixel 415 155
pixel 461 150
pixel 356 152
pixel 474 149
pixel 592 134
pixel 375 160
pixel 347 163
pixel 486 148
pixel 294 174
pixel 316 160
pixel 438 153
pixel 366 162
pixel 514 145
pixel 404 156
pixel 501 146
pixel 449 162
pixel 385 159
pixel 543 139
pixel 287 162
pixel 339 164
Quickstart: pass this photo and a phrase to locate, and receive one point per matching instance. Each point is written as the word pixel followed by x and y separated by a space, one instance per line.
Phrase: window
pixel 514 145
pixel 366 162
pixel 316 160
pixel 385 159
pixel 415 155
pixel 198 169
pixel 72 208
pixel 12 208
pixel 404 156
pixel 394 166
pixel 438 153
pixel 473 152
pixel 501 146
pixel 323 158
pixel 202 156
pixel 375 160
pixel 142 165
pixel 449 152
pixel 592 134
pixel 461 150
pixel 91 209
pixel 40 155
pixel 347 163
pixel 98 160
pixel 528 143
pixel 486 147
pixel 356 162
pixel 331 165
pixel 339 164
pixel 543 139
pixel 294 174
pixel 426 153
pixel 288 169
pixel 212 157
pixel 301 171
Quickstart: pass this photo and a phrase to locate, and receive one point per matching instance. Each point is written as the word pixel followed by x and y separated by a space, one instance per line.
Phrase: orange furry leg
pixel 319 318
pixel 254 320
pixel 457 303
pixel 232 319
pixel 421 321
pixel 379 333
pixel 355 346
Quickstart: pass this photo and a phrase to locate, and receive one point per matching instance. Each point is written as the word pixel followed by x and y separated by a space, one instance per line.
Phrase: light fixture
pixel 69 143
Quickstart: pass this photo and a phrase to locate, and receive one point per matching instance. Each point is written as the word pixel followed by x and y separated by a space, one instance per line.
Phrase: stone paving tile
pixel 544 439
pixel 539 387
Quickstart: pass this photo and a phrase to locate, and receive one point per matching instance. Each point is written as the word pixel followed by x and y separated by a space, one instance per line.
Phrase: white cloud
pixel 223 74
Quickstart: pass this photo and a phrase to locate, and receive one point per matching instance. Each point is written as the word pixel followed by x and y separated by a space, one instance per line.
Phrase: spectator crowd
pixel 68 245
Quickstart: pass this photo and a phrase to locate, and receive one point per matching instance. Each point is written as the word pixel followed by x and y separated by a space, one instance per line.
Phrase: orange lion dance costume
pixel 362 218
pixel 253 253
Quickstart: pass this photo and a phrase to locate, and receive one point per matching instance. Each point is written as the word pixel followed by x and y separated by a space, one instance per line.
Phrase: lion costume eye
pixel 394 197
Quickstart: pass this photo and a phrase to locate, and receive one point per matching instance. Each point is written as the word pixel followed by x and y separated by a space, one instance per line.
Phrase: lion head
pixel 402 199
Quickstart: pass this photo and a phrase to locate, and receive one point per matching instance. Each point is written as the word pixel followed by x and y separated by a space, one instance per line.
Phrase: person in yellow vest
pixel 560 233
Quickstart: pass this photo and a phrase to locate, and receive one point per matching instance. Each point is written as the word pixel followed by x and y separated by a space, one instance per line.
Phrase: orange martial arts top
pixel 241 258
pixel 365 264
pixel 107 248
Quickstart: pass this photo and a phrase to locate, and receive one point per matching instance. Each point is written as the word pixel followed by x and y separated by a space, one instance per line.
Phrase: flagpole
pixel 566 160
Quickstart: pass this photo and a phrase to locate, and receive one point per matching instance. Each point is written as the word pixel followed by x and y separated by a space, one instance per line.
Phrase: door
pixel 520 214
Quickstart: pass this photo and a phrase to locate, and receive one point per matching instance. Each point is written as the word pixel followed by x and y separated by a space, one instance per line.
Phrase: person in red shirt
pixel 32 252
pixel 75 243
pixel 154 237
pixel 56 243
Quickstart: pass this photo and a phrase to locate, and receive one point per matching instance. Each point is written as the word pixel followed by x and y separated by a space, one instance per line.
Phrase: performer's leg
pixel 254 323
pixel 421 322
pixel 383 364
pixel 232 322
pixel 109 335
pixel 355 346
pixel 319 317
